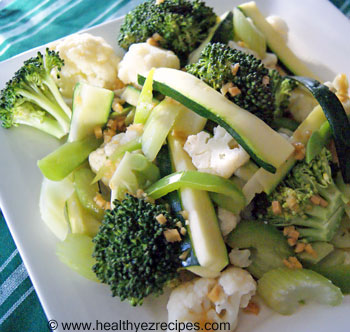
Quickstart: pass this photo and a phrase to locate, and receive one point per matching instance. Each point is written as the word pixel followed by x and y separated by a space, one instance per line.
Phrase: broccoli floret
pixel 181 24
pixel 133 256
pixel 308 199
pixel 261 91
pixel 32 98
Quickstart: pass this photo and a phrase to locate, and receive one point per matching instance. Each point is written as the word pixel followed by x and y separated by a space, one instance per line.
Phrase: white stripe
pixel 95 20
pixel 25 15
pixel 41 27
pixel 35 20
pixel 12 282
pixel 16 304
pixel 8 260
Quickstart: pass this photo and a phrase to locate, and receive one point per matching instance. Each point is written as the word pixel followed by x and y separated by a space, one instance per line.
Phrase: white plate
pixel 318 34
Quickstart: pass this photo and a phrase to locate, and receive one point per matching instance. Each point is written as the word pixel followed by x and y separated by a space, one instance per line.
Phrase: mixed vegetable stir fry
pixel 209 159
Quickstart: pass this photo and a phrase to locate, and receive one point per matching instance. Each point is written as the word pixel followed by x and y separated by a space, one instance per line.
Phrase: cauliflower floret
pixel 87 59
pixel 99 157
pixel 279 25
pixel 141 58
pixel 227 220
pixel 240 257
pixel 219 155
pixel 212 300
pixel 340 86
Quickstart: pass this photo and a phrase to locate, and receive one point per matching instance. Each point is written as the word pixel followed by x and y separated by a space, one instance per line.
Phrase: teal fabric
pixel 25 24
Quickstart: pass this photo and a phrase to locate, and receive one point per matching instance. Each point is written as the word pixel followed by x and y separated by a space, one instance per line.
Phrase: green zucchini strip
pixel 337 118
pixel 201 181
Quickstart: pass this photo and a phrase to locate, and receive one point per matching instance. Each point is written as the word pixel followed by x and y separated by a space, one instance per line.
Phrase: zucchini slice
pixel 275 41
pixel 91 107
pixel 269 149
pixel 337 118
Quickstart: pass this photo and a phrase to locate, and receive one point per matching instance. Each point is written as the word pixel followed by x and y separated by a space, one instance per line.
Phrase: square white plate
pixel 318 34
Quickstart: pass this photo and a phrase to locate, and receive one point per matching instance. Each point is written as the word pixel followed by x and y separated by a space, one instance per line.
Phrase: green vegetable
pixel 207 244
pixel 87 191
pixel 264 145
pixel 132 254
pixel 145 102
pixel 262 92
pixel 182 25
pixel 337 118
pixel 91 108
pixel 317 141
pixel 246 31
pixel 222 32
pixel 117 155
pixel 131 95
pixel 321 249
pixel 61 162
pixel 79 219
pixel 341 238
pixel 284 289
pixel 275 41
pixel 268 246
pixel 160 122
pixel 309 199
pixel 32 98
pixel 134 172
pixel 76 252
pixel 201 181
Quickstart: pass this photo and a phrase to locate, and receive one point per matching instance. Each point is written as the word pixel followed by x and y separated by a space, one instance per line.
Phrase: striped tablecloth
pixel 25 24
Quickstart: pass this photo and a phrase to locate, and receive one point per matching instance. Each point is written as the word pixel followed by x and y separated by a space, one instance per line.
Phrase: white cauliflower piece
pixel 340 86
pixel 99 157
pixel 141 58
pixel 227 221
pixel 212 300
pixel 219 155
pixel 87 59
pixel 279 25
pixel 240 257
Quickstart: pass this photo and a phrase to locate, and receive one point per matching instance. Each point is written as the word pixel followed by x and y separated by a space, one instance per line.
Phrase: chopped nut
pixel 98 132
pixel 140 193
pixel 184 213
pixel 266 80
pixel 158 2
pixel 299 152
pixel 152 42
pixel 234 91
pixel 157 37
pixel 183 231
pixel 184 255
pixel 310 250
pixel 292 203
pixel 117 106
pixel 252 308
pixel 179 224
pixel 234 69
pixel 215 294
pixel 292 263
pixel 315 199
pixel 276 207
pixel 172 235
pixel 300 247
pixel 161 219
pixel 107 206
pixel 112 123
pixel 241 43
pixel 224 89
pixel 291 241
pixel 137 126
pixel 294 234
pixel 288 229
pixel 118 84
